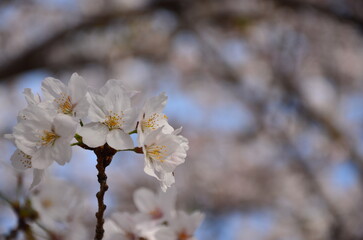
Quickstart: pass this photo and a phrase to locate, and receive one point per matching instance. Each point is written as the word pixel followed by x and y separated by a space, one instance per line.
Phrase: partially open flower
pixel 163 153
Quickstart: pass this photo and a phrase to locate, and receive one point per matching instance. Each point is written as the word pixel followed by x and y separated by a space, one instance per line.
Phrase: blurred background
pixel 269 94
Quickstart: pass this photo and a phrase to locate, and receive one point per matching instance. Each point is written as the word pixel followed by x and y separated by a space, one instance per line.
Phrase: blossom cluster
pixel 156 219
pixel 78 114
pixel 62 213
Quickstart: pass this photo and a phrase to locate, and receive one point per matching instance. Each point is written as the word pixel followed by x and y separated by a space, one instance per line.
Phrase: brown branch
pixel 36 56
pixel 342 16
pixel 326 123
pixel 24 214
pixel 338 229
pixel 104 157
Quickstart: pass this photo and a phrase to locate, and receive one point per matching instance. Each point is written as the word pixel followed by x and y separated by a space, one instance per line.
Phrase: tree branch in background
pixel 342 16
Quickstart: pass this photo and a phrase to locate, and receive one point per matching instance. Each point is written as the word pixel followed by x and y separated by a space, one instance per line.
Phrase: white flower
pixel 181 227
pixel 163 152
pixel 152 118
pixel 22 161
pixel 57 202
pixel 44 137
pixel 126 226
pixel 112 118
pixel 71 99
pixel 157 207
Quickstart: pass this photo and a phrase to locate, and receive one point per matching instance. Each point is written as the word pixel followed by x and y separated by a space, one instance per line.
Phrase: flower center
pixel 153 121
pixel 46 203
pixel 114 120
pixel 64 104
pixel 156 213
pixel 183 236
pixel 156 152
pixel 48 138
pixel 130 236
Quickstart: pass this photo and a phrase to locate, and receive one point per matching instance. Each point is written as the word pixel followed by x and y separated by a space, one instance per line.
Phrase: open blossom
pixel 181 227
pixel 158 207
pixel 112 118
pixel 151 117
pixel 45 137
pixel 60 207
pixel 71 99
pixel 163 153
pixel 126 226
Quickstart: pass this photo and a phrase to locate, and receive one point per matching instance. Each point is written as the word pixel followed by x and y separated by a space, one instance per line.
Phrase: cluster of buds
pixel 75 114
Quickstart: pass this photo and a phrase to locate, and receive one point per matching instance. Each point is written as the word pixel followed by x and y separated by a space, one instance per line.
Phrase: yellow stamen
pixel 156 152
pixel 152 122
pixel 48 137
pixel 114 120
pixel 65 104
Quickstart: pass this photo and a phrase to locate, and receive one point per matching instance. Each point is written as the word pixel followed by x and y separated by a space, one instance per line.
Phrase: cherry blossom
pixel 181 227
pixel 157 207
pixel 162 154
pixel 45 137
pixel 71 99
pixel 112 118
pixel 151 117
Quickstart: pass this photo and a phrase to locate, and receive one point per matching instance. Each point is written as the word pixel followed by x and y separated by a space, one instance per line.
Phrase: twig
pixel 104 157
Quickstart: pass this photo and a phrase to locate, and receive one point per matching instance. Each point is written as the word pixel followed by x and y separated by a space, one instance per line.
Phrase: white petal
pixel 130 118
pixel 166 180
pixel 97 111
pixel 38 175
pixel 152 137
pixel 156 104
pixel 9 136
pixel 30 97
pixel 165 233
pixel 119 140
pixel 94 134
pixel 117 100
pixel 53 88
pixel 167 200
pixel 61 152
pixel 77 88
pixel 145 200
pixel 65 127
pixel 110 229
pixel 81 109
pixel 124 220
pixel 20 160
pixel 193 221
pixel 42 158
pixel 112 83
pixel 149 170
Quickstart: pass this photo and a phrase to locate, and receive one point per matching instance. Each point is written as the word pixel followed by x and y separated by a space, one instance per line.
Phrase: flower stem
pixel 104 157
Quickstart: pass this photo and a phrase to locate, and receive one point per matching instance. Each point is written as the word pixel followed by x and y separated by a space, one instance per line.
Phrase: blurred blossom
pixel 269 94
